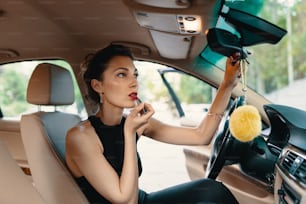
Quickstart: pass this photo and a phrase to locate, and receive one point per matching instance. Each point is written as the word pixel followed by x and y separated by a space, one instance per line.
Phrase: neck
pixel 110 116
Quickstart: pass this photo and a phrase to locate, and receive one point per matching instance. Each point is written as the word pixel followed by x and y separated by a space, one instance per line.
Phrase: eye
pixel 136 75
pixel 121 75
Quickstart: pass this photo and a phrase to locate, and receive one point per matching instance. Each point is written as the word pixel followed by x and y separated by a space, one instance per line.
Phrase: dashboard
pixel 288 138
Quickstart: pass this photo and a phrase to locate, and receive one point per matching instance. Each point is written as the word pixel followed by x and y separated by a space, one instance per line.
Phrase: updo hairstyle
pixel 96 63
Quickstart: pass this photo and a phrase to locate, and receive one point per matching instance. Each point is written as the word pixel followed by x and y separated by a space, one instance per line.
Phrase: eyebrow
pixel 125 69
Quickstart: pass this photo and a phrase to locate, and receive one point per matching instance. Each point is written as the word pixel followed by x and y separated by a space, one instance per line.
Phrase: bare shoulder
pixel 79 131
pixel 82 135
pixel 81 143
pixel 82 127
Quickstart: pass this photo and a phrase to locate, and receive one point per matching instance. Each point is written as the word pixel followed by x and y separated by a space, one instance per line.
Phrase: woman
pixel 101 152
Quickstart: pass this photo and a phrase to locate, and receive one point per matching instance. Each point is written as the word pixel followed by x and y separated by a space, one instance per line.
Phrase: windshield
pixel 276 71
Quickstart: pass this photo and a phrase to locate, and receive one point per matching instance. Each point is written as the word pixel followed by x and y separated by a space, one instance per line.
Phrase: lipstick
pixel 137 101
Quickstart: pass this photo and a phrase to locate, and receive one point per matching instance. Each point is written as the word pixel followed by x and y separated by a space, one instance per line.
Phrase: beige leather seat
pixel 15 187
pixel 43 134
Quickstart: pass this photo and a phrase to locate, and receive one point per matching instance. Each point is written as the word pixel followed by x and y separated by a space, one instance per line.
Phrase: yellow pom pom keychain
pixel 245 121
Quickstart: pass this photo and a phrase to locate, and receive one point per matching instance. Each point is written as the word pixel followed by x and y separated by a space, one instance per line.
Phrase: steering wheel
pixel 223 144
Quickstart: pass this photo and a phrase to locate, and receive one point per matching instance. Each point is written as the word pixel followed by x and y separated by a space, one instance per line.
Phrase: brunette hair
pixel 96 63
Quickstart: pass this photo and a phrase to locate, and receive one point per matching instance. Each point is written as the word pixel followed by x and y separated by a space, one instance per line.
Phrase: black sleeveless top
pixel 112 138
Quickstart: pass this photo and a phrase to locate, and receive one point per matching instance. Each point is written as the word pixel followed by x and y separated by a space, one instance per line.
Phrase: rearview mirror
pixel 225 42
pixel 250 30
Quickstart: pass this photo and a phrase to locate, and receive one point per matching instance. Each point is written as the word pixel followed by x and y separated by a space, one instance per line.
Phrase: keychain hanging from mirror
pixel 243 69
pixel 245 121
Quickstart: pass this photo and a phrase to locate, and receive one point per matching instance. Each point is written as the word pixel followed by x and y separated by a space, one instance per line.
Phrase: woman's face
pixel 119 85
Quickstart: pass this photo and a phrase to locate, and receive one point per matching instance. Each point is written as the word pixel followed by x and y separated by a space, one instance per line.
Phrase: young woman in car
pixel 101 152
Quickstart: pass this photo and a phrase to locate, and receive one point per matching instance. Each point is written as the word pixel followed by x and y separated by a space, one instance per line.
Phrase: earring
pixel 101 98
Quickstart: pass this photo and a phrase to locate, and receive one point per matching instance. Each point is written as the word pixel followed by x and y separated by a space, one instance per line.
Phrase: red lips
pixel 133 95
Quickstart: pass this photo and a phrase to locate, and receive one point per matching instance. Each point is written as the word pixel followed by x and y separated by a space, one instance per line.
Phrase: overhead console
pixel 165 3
pixel 171 23
pixel 168 16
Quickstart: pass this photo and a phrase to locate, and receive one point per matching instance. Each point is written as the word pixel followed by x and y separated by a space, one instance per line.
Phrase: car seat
pixel 43 134
pixel 15 187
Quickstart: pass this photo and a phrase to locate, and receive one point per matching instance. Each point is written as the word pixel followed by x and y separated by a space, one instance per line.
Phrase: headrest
pixel 50 85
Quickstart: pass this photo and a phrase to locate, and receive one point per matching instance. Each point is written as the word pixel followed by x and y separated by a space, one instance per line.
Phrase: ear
pixel 96 85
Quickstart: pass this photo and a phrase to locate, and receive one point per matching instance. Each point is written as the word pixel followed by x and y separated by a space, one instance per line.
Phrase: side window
pixel 191 96
pixel 14 79
pixel 178 98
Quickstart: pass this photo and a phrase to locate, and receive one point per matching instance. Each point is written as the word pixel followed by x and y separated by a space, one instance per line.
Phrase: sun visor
pixel 164 43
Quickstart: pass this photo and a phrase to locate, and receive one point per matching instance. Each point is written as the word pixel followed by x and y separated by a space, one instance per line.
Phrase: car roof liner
pixel 251 30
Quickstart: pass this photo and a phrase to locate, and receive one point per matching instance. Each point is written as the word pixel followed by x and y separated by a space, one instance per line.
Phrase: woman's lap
pixel 198 191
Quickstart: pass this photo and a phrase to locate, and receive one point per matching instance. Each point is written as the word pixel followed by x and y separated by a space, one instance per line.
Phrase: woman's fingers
pixel 144 110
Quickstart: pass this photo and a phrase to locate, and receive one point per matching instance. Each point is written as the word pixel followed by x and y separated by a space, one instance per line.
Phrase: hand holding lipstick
pixel 137 102
pixel 139 116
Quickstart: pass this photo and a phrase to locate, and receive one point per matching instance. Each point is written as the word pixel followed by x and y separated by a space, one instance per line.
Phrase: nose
pixel 134 82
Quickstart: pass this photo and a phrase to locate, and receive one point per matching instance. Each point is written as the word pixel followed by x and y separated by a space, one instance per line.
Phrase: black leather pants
pixel 194 192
